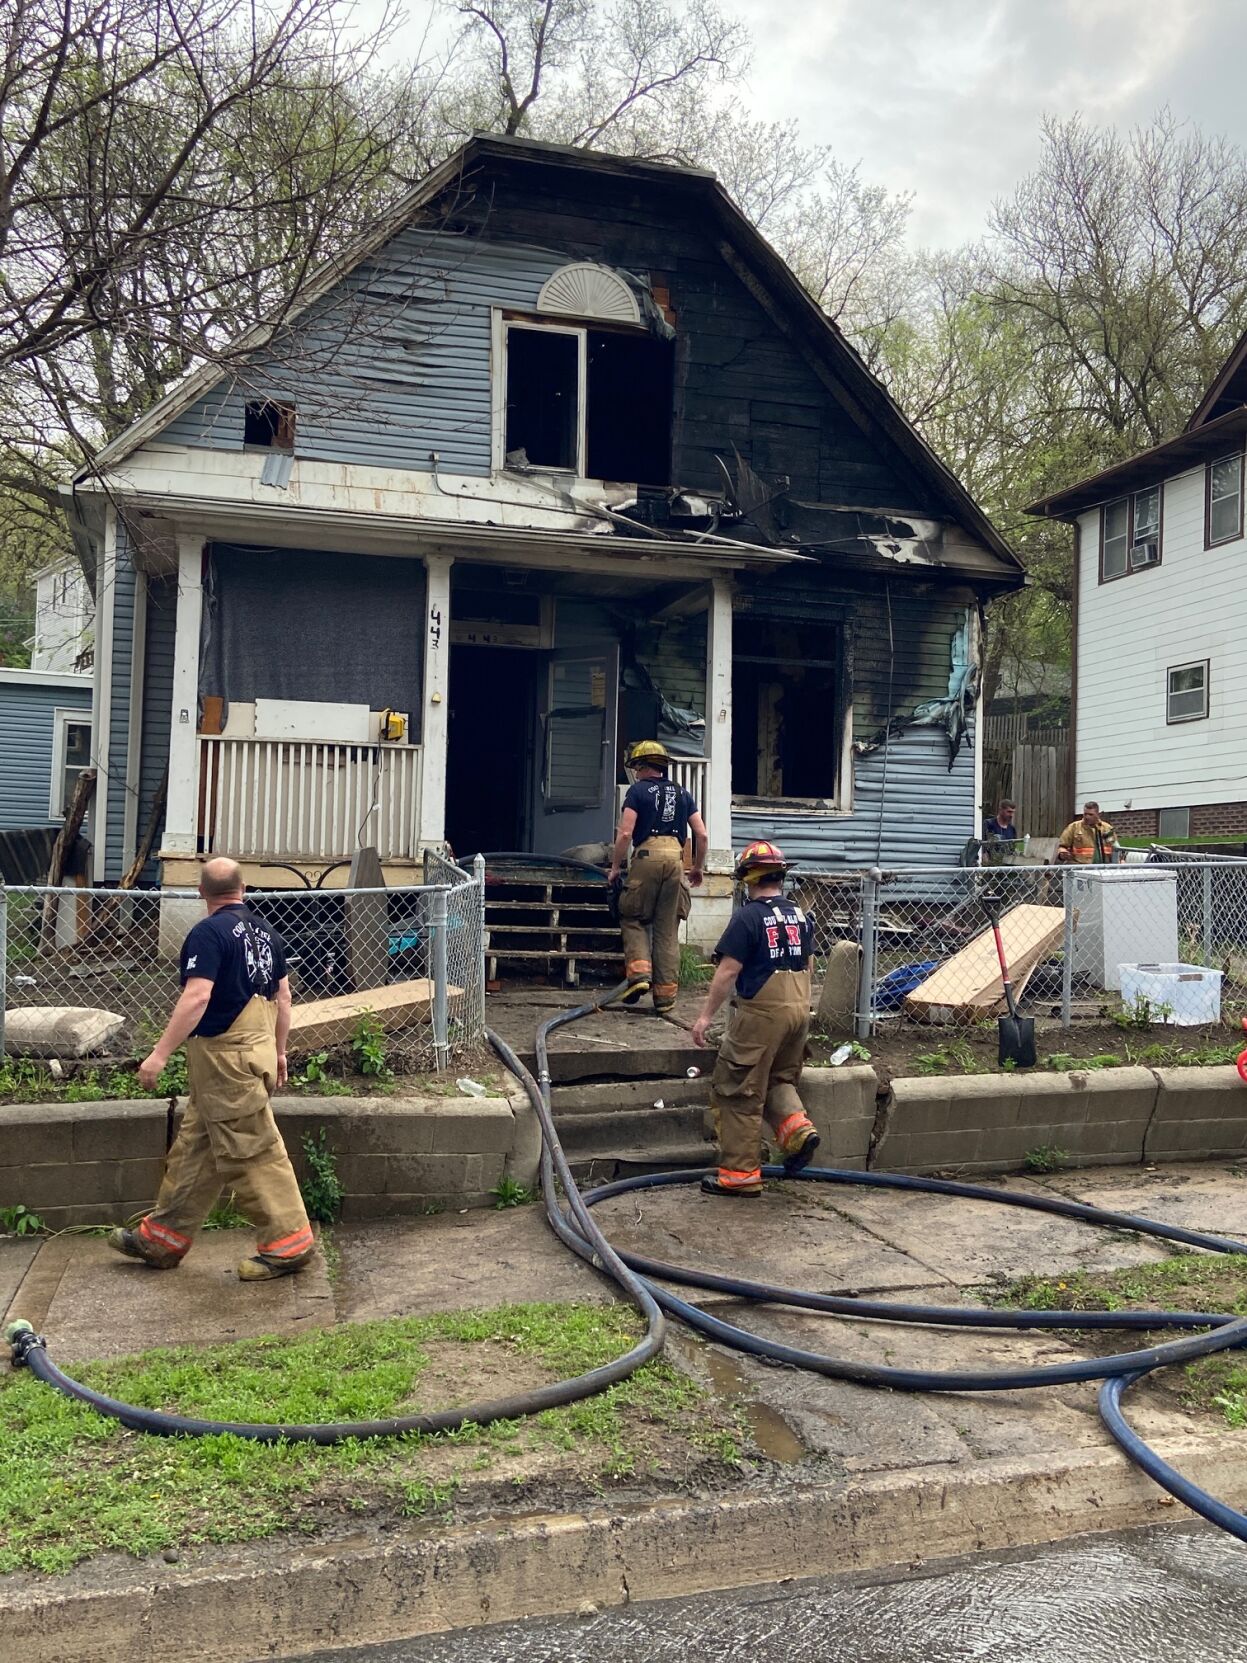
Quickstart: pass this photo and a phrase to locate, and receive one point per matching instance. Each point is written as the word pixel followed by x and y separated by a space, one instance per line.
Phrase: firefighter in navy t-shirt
pixel 234 1015
pixel 764 962
pixel 657 818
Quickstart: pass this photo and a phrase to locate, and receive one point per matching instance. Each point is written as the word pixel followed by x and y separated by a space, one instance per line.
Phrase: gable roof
pixel 768 278
pixel 1228 390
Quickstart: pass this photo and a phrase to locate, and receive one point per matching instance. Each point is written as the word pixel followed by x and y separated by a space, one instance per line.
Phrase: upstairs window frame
pixel 1211 542
pixel 1204 666
pixel 1131 536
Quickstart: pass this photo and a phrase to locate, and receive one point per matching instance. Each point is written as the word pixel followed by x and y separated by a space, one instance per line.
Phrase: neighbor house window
pixel 787 710
pixel 268 425
pixel 1130 533
pixel 1223 501
pixel 71 753
pixel 591 402
pixel 1187 692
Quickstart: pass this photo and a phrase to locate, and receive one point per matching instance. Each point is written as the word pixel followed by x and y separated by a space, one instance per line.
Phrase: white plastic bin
pixel 1191 994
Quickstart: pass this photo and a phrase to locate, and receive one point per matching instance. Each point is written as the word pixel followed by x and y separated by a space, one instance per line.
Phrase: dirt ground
pixel 902 1048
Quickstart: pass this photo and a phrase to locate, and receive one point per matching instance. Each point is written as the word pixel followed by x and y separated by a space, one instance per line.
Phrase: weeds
pixel 321 1188
pixel 507 1193
pixel 694 970
pixel 225 1216
pixel 1141 1014
pixel 20 1221
pixel 368 1045
pixel 956 1054
pixel 1062 1062
pixel 1045 1157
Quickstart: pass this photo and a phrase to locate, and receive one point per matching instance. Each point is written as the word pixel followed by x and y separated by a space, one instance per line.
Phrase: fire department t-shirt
pixel 240 955
pixel 766 935
pixel 662 809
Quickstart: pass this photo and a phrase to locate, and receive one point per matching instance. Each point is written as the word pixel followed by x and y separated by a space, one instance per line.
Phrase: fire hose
pixel 641 1279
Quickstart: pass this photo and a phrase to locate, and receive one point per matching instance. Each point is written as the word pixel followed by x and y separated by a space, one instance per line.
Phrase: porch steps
pixel 615 1128
pixel 549 917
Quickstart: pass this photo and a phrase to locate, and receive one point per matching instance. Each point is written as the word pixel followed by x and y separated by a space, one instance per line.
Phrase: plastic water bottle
pixel 693 1073
pixel 472 1088
pixel 840 1056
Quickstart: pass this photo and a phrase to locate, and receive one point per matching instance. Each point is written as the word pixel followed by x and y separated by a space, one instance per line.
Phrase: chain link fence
pixel 107 961
pixel 1162 941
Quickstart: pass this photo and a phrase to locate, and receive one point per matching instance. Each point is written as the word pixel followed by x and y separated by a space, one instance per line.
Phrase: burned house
pixel 560 455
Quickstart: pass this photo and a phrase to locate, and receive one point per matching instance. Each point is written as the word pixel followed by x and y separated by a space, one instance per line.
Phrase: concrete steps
pixel 614 1128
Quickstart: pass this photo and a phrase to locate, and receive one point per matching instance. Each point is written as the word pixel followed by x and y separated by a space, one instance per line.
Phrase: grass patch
pixel 1187 1282
pixel 694 970
pixel 73 1484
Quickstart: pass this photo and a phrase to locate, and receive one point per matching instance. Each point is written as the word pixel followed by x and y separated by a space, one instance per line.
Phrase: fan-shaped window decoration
pixel 589 291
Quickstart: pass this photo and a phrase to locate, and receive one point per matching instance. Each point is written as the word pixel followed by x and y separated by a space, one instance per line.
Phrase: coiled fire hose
pixel 640 1277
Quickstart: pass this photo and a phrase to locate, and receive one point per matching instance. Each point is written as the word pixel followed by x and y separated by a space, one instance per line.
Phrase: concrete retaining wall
pixel 100 1163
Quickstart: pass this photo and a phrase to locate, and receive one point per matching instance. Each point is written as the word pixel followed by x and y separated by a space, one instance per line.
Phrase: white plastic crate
pixel 1191 995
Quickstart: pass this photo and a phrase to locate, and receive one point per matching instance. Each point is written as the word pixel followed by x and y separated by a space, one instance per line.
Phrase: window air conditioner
pixel 1146 553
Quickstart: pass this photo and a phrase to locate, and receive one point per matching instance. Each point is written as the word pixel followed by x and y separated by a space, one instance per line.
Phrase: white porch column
pixel 435 718
pixel 717 807
pixel 182 806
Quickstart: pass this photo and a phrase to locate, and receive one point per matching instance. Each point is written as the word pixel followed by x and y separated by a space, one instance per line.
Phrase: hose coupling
pixel 22 1339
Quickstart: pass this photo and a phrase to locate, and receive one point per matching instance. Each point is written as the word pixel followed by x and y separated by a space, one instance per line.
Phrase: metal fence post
pixel 1208 914
pixel 439 922
pixel 870 934
pixel 478 876
pixel 4 961
pixel 1067 949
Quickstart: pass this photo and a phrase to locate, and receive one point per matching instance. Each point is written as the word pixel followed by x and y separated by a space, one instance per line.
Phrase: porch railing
pixel 688 771
pixel 290 799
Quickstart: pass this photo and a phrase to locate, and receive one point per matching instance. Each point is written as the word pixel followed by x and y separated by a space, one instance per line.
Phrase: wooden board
pixel 969 985
pixel 323 1022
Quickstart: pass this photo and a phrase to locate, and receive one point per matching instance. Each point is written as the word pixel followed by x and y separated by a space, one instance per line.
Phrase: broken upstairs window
pixel 623 431
pixel 268 425
pixel 785 709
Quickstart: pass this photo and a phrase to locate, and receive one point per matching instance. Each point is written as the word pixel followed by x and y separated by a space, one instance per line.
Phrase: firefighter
pixel 657 818
pixel 234 1015
pixel 763 963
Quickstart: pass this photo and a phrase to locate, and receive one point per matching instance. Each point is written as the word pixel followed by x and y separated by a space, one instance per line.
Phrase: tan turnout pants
pixel 228 1139
pixel 757 1072
pixel 650 909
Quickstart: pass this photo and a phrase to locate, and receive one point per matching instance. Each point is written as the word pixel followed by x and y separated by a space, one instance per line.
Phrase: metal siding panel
pixel 26 749
pixel 390 391
pixel 930 810
pixel 157 693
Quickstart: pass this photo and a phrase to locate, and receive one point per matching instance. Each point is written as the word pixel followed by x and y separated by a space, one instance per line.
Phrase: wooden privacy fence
pixel 1036 776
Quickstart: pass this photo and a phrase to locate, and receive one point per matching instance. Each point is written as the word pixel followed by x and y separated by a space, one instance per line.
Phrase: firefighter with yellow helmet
pixel 763 961
pixel 657 817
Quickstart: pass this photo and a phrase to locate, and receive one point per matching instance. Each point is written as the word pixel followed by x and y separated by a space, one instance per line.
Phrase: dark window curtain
pixel 303 624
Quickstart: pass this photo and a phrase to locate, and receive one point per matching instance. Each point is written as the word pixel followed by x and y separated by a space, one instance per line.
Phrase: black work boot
pixel 133 1246
pixel 638 987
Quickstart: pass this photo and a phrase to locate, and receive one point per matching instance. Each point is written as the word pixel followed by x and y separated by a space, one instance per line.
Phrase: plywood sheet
pixel 323 1022
pixel 969 984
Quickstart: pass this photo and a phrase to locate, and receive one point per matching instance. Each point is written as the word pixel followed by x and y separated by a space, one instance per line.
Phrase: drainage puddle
pixel 771 1432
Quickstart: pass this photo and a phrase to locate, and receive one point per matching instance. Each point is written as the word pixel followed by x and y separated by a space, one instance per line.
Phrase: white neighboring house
pixel 1160 606
pixel 64 637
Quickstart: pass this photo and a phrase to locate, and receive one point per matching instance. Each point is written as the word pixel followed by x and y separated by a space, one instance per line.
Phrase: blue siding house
pixel 45 743
pixel 558 456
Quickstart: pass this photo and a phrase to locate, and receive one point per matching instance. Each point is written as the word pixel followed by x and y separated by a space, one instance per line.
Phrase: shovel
pixel 1017 1033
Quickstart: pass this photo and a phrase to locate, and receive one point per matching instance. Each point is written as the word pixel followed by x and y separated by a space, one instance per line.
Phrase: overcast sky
pixel 943 98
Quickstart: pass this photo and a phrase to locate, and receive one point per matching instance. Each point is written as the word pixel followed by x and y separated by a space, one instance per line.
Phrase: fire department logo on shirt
pixel 257 948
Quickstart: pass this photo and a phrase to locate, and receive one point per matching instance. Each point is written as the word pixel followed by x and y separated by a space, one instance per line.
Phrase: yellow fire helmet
pixel 759 861
pixel 647 753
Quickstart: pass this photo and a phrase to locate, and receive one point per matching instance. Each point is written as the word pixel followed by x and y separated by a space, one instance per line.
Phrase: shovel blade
pixel 1017 1041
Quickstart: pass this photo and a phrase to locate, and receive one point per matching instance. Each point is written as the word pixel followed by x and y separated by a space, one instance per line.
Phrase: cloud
pixel 944 98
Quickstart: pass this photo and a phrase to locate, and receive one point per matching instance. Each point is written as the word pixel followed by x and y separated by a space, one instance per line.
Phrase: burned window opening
pixel 785 710
pixel 268 425
pixel 543 398
pixel 620 431
pixel 628 421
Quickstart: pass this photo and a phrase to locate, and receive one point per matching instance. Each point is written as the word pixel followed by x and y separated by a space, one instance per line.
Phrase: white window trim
pixel 501 327
pixel 1175 669
pixel 62 716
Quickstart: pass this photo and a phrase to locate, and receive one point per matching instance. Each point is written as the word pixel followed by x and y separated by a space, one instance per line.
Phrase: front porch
pixel 514 740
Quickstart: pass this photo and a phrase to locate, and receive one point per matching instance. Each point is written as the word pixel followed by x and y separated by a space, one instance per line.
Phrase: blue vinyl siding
pixel 116 858
pixel 26 727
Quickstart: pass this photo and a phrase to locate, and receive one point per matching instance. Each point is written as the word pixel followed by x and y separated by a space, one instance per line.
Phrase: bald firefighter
pixel 657 817
pixel 763 963
pixel 234 1015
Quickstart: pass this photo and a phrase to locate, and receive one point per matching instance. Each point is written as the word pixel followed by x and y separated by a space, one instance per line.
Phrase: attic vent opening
pixel 588 291
pixel 268 425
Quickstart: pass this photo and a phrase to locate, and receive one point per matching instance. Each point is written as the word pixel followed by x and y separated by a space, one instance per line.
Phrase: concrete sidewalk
pixel 834 1476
